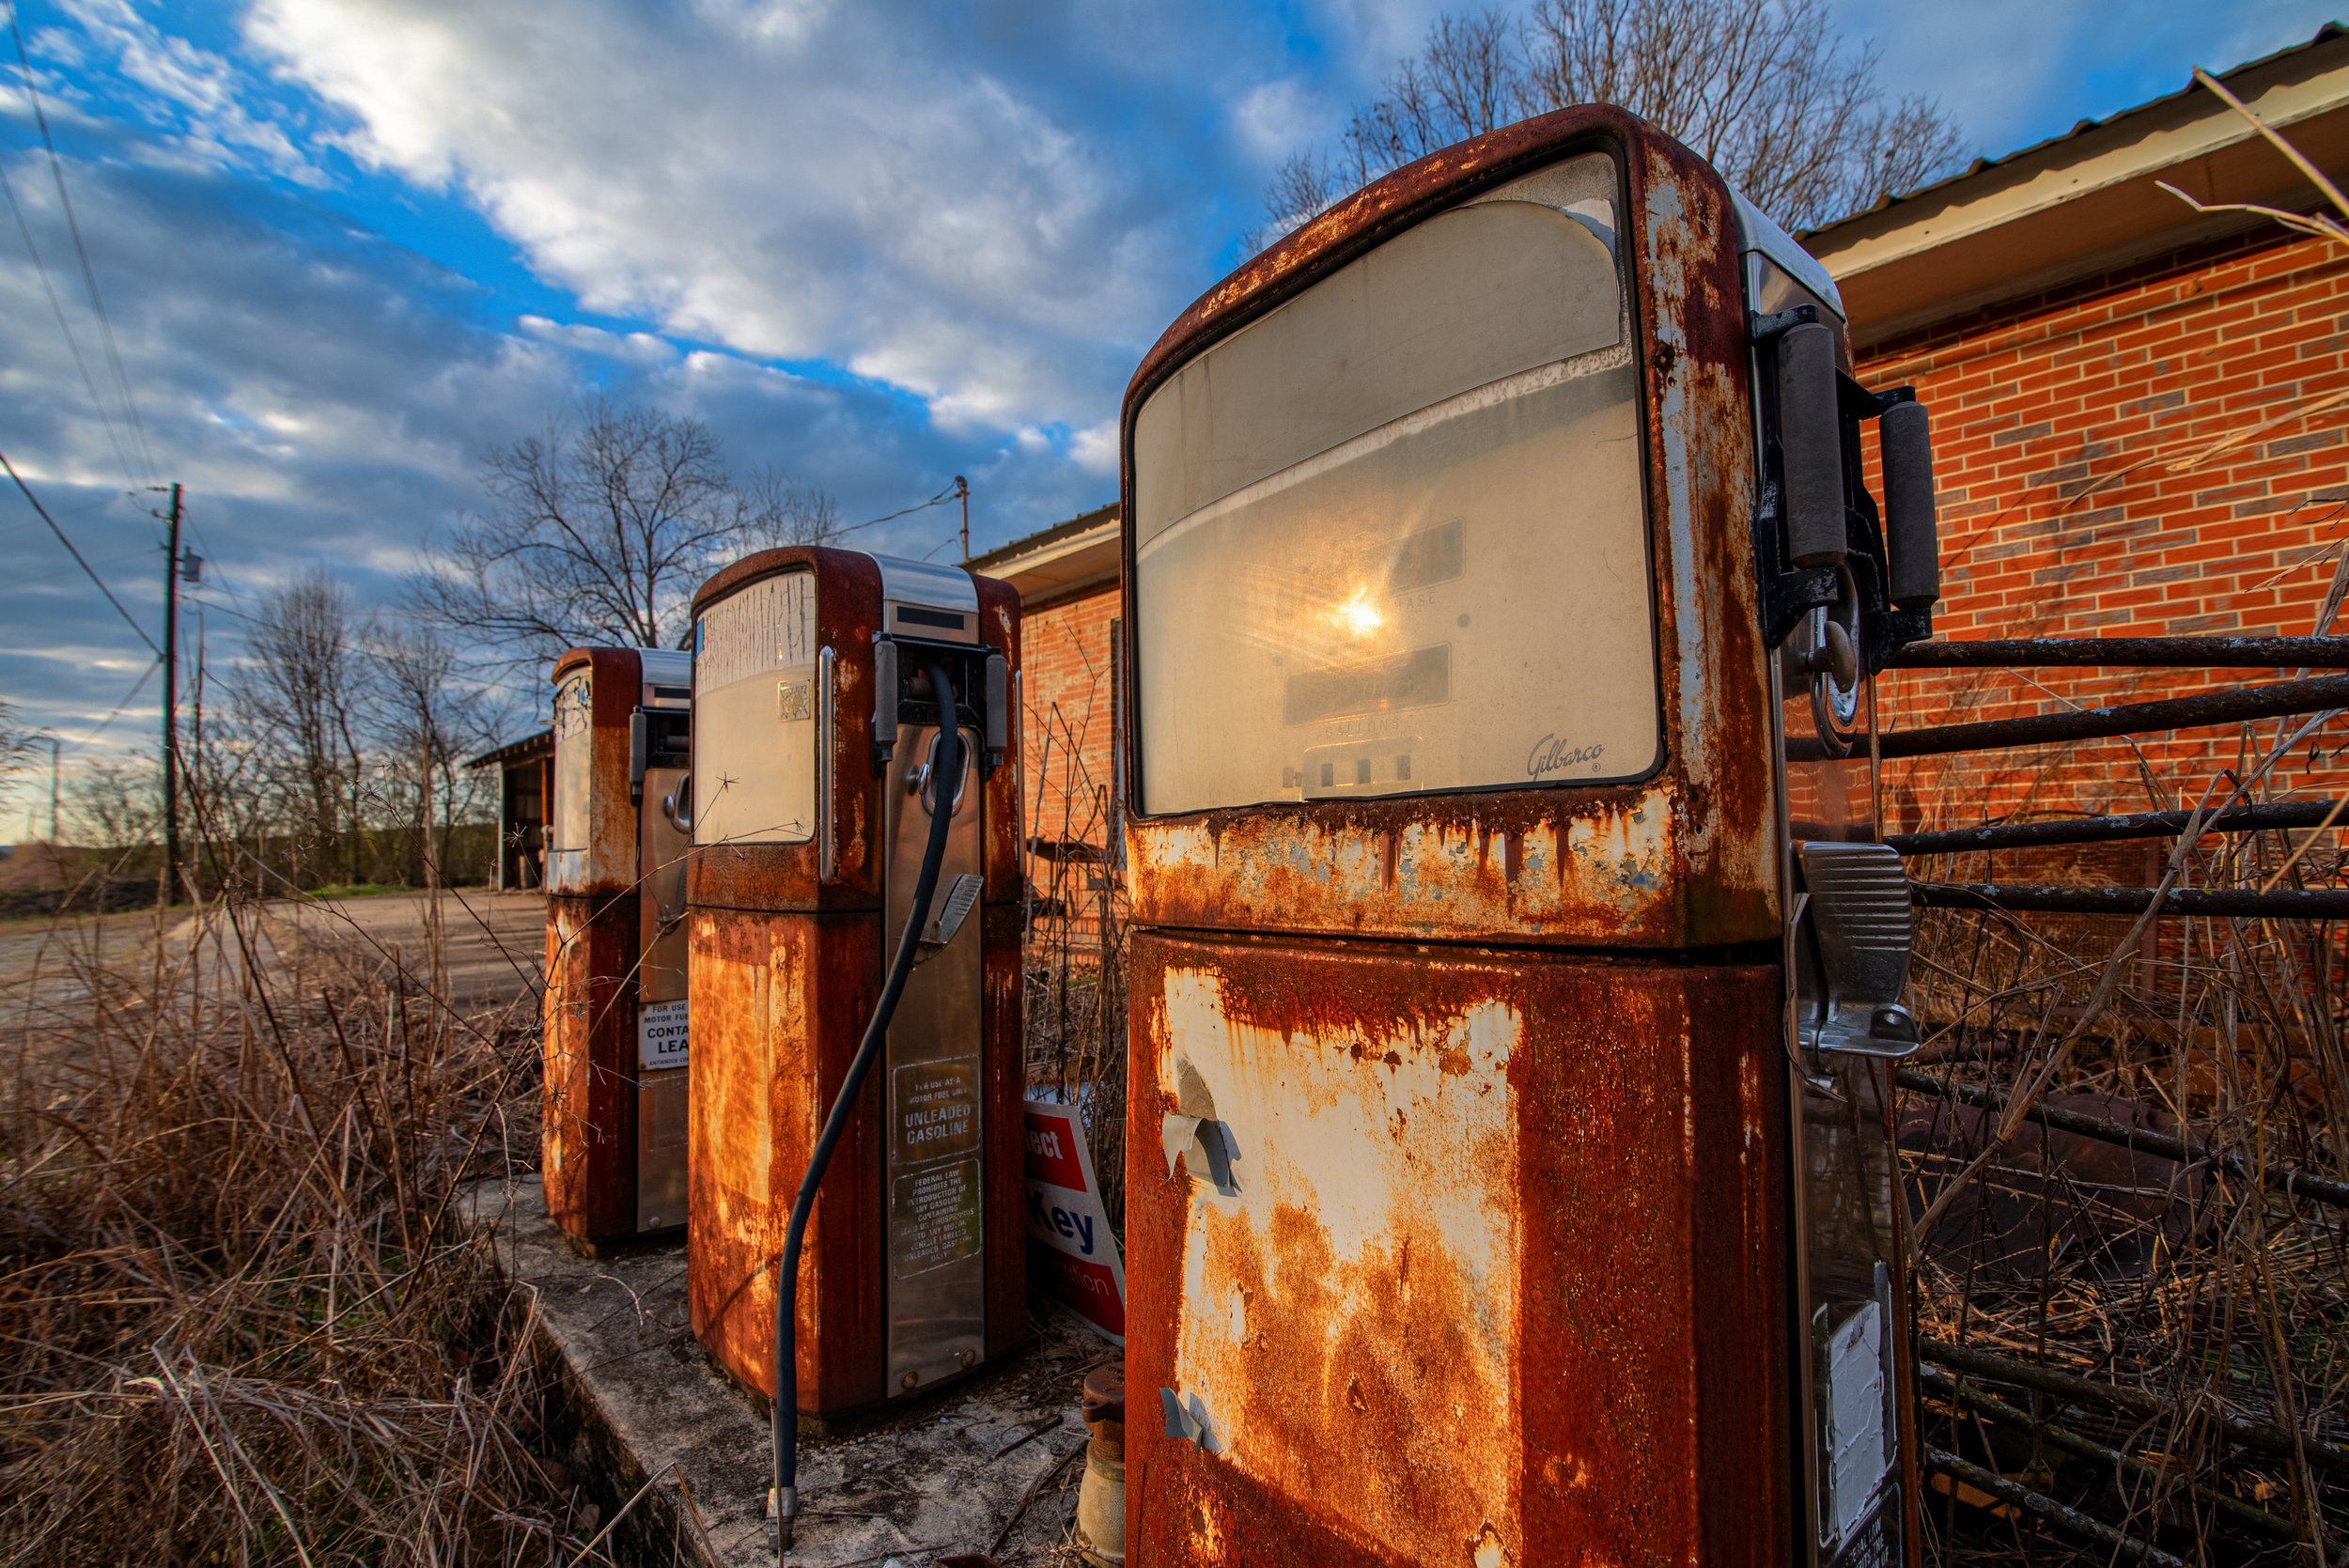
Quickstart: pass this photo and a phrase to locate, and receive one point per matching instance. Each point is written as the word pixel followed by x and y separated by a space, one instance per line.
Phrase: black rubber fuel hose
pixel 784 1426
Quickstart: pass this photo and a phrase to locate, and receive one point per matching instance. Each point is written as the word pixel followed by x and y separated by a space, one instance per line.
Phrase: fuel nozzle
pixel 779 1519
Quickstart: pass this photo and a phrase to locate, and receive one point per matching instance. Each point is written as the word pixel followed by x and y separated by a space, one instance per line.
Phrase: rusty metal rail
pixel 2065 1517
pixel 1956 1391
pixel 2314 695
pixel 2206 653
pixel 2325 1190
pixel 2137 1401
pixel 2064 899
pixel 2100 830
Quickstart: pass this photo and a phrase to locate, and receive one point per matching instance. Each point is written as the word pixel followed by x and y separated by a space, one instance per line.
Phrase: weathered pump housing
pixel 808 773
pixel 1468 1198
pixel 613 1136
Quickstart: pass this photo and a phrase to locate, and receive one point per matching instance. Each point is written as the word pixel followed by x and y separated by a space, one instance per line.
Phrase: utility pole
pixel 962 489
pixel 53 792
pixel 171 709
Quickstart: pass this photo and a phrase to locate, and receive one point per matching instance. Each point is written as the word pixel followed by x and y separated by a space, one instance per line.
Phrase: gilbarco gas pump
pixel 612 1146
pixel 1515 966
pixel 855 896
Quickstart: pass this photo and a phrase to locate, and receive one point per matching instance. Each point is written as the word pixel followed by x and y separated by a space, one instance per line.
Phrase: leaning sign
pixel 1072 1254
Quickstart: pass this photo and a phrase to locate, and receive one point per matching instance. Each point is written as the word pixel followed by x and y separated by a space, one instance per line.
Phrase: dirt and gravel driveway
pixel 493 946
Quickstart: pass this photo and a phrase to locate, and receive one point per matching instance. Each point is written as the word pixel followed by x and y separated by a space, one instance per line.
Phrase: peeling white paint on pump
pixel 1403 1152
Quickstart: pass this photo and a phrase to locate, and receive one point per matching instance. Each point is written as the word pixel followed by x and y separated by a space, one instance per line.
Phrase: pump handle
pixel 1810 446
pixel 1911 528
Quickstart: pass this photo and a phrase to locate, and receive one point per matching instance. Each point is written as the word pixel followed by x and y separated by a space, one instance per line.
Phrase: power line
pixel 73 226
pixel 939 500
pixel 57 307
pixel 77 554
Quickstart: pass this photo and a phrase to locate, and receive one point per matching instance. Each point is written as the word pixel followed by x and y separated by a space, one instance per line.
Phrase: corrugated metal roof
pixel 1005 553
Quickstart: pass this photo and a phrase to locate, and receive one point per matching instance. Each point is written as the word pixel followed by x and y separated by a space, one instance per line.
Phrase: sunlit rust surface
pixel 587 1125
pixel 1687 858
pixel 847 613
pixel 777 1002
pixel 1500 1279
pixel 784 970
pixel 587 1132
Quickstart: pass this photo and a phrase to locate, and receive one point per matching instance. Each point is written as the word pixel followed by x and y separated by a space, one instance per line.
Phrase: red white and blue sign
pixel 1072 1254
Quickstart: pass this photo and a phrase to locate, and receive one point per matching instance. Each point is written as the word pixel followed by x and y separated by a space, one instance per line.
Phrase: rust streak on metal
pixel 1477 1296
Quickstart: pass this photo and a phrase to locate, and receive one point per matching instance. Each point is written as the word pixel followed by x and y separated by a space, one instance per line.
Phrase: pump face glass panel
pixel 1390 539
pixel 755 715
pixel 574 768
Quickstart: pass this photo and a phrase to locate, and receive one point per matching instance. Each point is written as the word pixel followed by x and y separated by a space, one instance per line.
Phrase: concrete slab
pixel 998 1455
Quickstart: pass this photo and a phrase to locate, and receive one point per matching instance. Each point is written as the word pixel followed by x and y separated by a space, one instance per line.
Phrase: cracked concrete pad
pixel 941 1473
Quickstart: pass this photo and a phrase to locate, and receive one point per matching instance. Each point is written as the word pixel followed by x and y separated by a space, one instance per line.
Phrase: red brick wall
pixel 1068 716
pixel 1068 712
pixel 2147 453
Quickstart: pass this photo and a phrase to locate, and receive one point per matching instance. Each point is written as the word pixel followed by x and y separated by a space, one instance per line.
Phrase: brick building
pixel 2138 416
pixel 1068 578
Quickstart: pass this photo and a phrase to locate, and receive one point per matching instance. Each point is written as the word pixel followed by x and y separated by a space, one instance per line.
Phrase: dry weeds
pixel 239 1327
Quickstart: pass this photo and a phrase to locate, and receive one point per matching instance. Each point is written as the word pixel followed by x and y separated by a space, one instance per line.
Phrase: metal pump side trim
pixel 1859 910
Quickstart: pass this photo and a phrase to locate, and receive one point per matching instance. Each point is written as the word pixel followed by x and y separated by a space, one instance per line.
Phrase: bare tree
pixel 789 512
pixel 1763 89
pixel 427 716
pixel 299 689
pixel 599 529
pixel 115 803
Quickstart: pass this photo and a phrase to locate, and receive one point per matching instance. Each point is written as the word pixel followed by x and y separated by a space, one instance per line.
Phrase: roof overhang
pixel 2091 201
pixel 527 749
pixel 1076 557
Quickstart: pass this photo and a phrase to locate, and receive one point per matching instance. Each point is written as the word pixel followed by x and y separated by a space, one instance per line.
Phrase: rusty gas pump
pixel 855 939
pixel 613 1136
pixel 1515 967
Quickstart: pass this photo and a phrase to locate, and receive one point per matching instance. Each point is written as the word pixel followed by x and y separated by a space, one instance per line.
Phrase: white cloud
pixel 1274 118
pixel 793 181
pixel 218 125
pixel 1095 448
pixel 644 349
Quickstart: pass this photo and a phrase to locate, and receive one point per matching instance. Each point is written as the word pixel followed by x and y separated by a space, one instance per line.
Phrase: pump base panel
pixel 587 1131
pixel 779 1004
pixel 1454 1255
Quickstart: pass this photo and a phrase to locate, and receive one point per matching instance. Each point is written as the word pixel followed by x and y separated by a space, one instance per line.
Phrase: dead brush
pixel 2160 1345
pixel 239 1328
pixel 1074 977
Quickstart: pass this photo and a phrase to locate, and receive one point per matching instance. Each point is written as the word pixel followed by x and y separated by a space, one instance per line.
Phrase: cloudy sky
pixel 345 245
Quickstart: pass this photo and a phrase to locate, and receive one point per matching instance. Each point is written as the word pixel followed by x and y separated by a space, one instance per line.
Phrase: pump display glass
pixel 755 715
pixel 566 838
pixel 1387 514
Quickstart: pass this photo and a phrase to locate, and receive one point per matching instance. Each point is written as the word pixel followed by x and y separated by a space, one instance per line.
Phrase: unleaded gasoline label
pixel 661 1035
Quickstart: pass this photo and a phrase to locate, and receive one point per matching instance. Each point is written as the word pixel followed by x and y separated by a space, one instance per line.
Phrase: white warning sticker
pixel 661 1035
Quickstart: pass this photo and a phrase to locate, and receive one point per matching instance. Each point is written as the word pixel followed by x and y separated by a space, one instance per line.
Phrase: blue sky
pixel 345 245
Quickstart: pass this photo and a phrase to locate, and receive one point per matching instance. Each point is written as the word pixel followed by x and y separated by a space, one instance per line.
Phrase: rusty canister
pixel 1101 1496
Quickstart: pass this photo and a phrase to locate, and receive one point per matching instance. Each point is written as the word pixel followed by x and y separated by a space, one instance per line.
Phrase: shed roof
pixel 2091 201
pixel 528 748
pixel 1070 558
